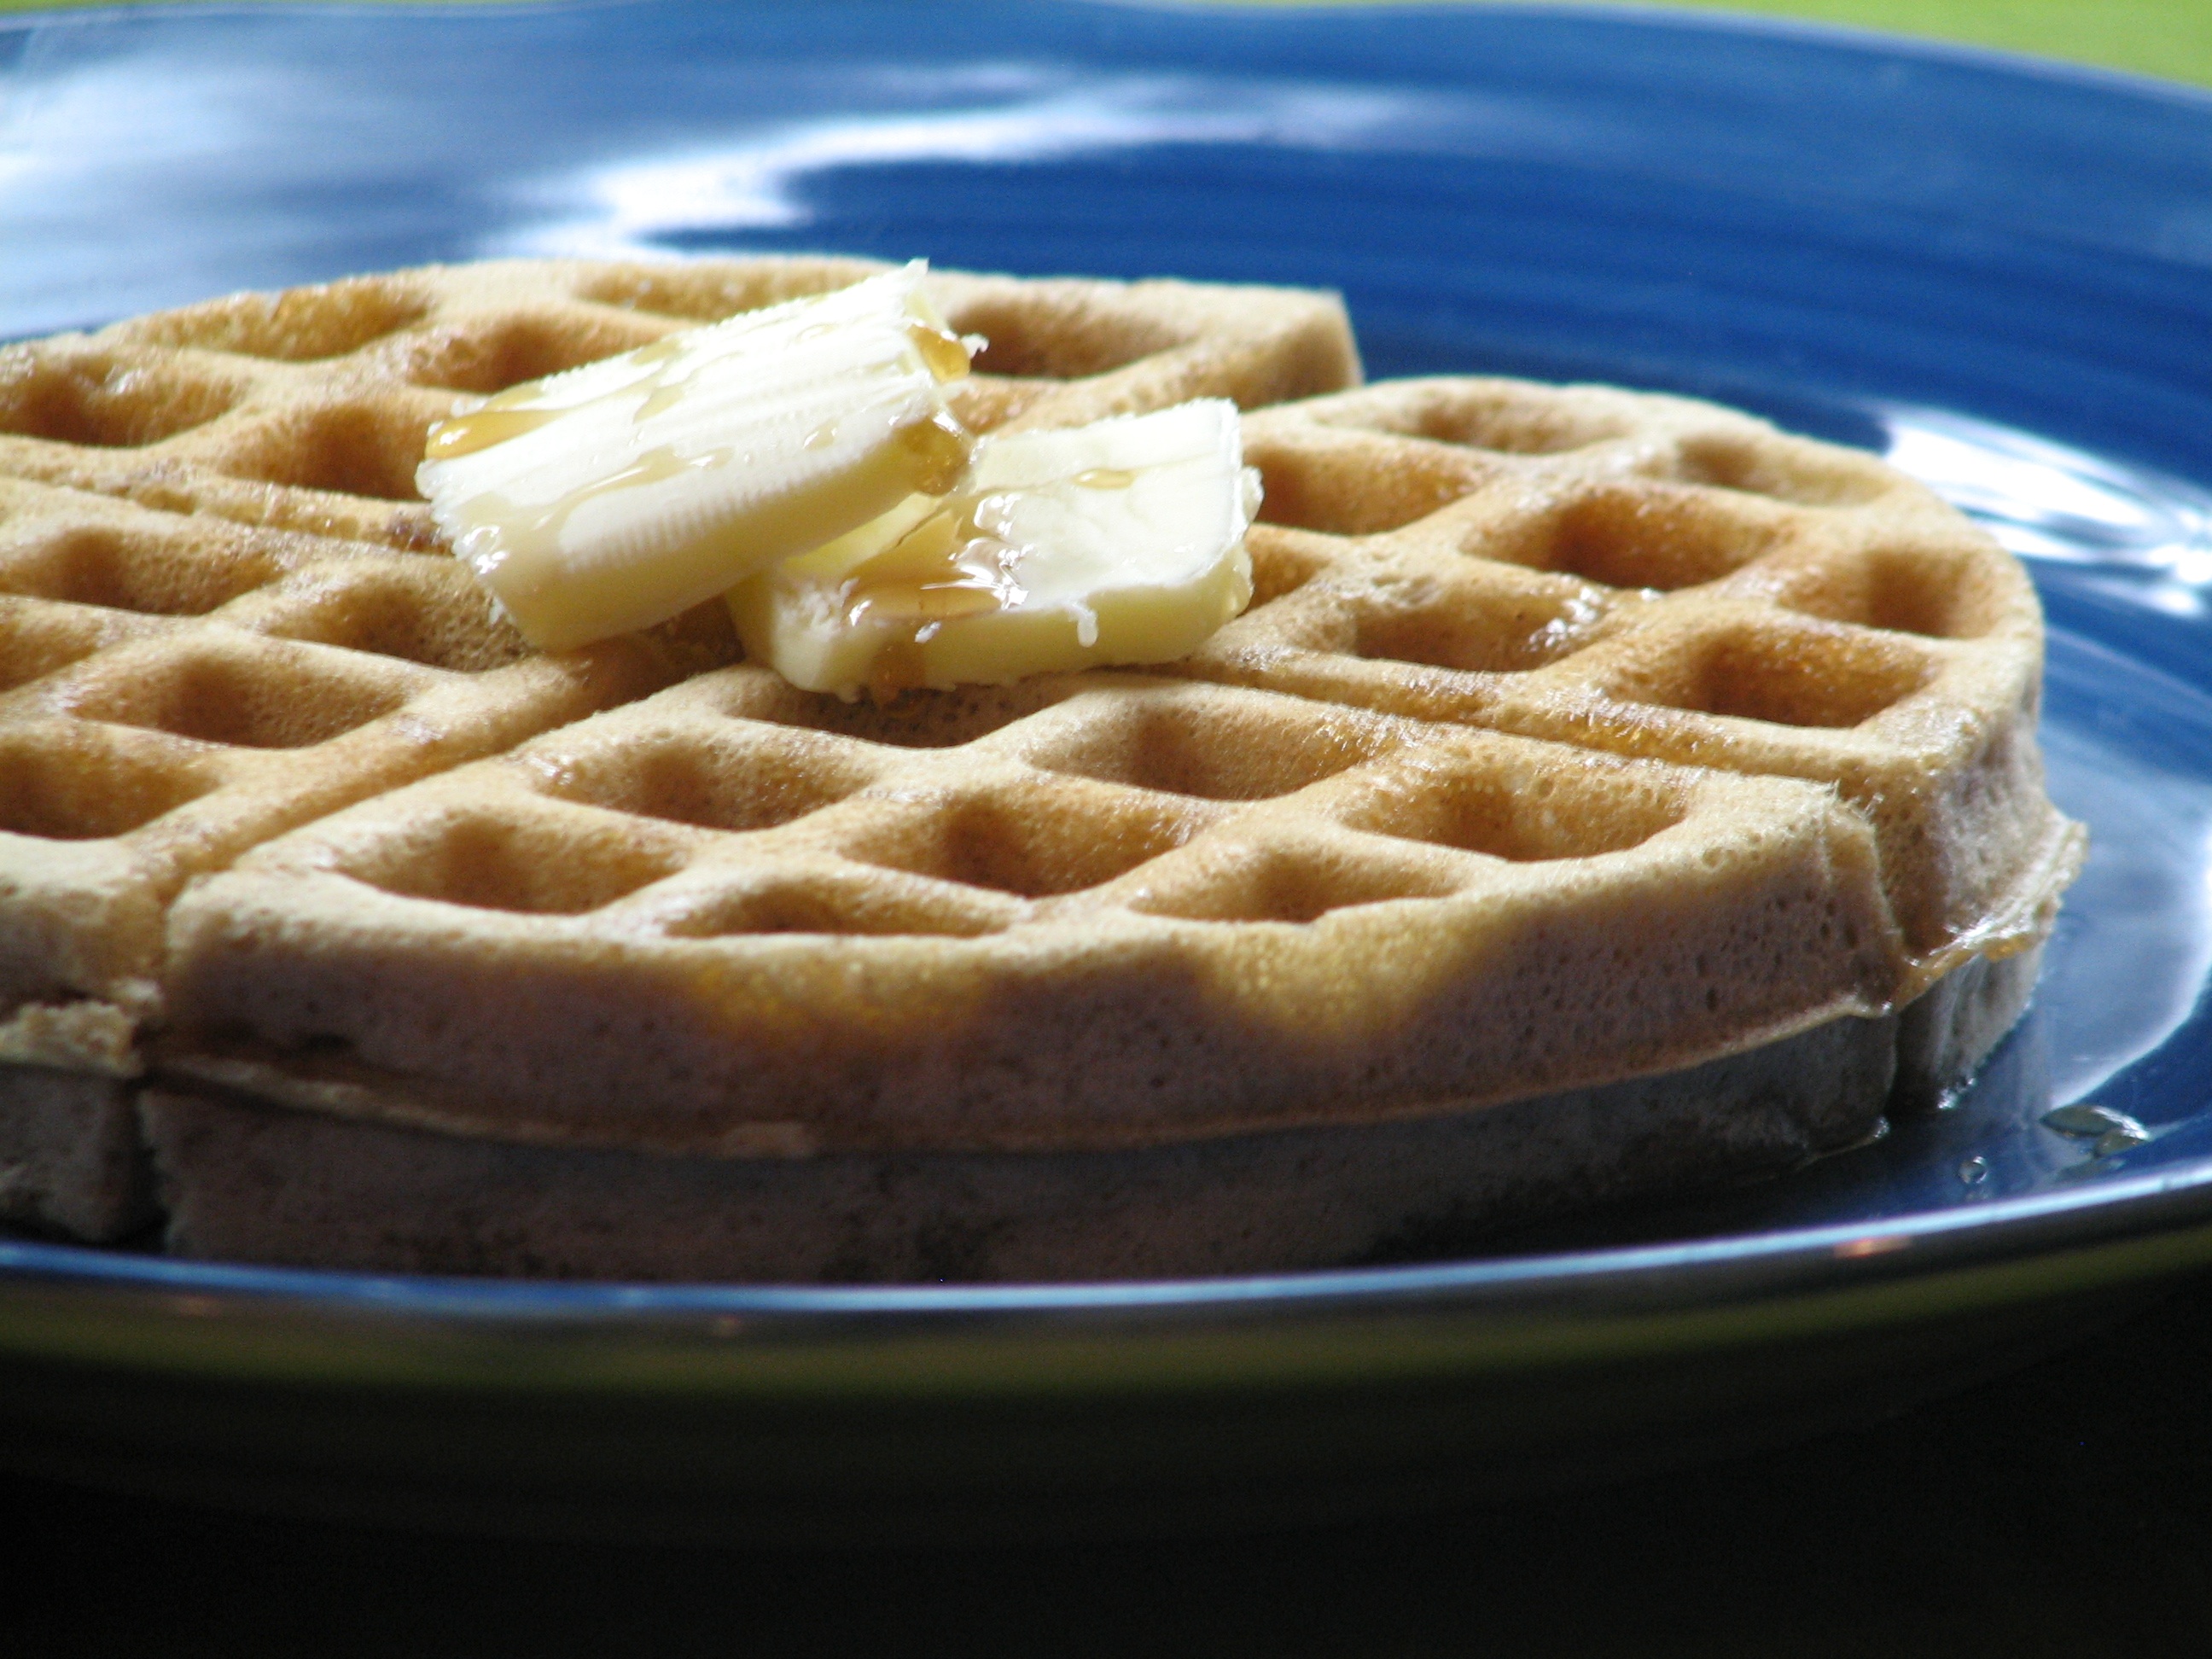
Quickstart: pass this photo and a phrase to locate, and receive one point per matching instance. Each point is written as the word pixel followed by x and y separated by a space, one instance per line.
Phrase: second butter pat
pixel 1121 542
pixel 618 495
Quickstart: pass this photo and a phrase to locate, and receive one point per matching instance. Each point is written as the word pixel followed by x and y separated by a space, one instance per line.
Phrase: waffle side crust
pixel 243 1179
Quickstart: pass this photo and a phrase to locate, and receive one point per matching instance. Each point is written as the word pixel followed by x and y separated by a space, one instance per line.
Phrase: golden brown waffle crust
pixel 1021 940
pixel 1574 736
pixel 224 611
pixel 304 409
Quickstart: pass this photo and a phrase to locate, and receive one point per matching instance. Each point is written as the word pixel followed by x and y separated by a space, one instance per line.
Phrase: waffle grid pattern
pixel 224 611
pixel 1653 577
pixel 749 896
pixel 179 691
pixel 305 409
pixel 1572 733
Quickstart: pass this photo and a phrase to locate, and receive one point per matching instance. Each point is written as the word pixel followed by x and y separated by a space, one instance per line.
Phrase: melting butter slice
pixel 1118 543
pixel 618 495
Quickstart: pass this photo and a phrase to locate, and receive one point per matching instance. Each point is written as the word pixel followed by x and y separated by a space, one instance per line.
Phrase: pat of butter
pixel 1118 543
pixel 619 493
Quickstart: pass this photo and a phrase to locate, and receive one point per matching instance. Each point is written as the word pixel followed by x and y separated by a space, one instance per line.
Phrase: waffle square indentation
pixel 1298 883
pixel 1790 677
pixel 1647 535
pixel 1345 481
pixel 37 638
pixel 67 780
pixel 733 779
pixel 1034 842
pixel 351 449
pixel 1186 748
pixel 1509 417
pixel 117 569
pixel 246 699
pixel 491 354
pixel 1522 811
pixel 1759 464
pixel 1451 626
pixel 534 863
pixel 1041 331
pixel 298 324
pixel 430 612
pixel 917 720
pixel 103 399
pixel 1956 592
pixel 710 291
pixel 853 903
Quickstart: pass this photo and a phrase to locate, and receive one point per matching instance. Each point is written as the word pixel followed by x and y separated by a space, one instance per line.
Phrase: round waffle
pixel 1603 790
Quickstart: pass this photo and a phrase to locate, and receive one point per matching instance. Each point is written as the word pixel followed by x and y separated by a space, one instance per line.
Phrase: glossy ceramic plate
pixel 1993 270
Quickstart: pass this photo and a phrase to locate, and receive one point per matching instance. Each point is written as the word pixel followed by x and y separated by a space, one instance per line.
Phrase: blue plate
pixel 1999 273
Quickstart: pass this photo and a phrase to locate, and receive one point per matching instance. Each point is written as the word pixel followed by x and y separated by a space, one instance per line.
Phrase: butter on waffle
pixel 224 611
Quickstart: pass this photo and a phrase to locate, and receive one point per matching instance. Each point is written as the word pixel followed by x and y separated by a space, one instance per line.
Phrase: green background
pixel 2172 38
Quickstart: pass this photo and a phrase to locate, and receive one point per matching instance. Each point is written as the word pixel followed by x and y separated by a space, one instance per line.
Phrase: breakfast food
pixel 1602 792
pixel 621 492
pixel 1117 543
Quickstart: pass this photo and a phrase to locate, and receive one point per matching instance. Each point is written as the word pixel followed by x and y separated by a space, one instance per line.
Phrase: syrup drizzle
pixel 946 354
pixel 465 434
pixel 945 568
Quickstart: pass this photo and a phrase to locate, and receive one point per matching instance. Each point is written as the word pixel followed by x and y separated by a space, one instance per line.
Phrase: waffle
pixel 224 612
pixel 1603 792
pixel 1654 577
